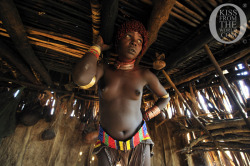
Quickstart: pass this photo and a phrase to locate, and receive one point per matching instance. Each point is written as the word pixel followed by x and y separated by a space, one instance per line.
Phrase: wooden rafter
pixel 195 117
pixel 227 85
pixel 160 14
pixel 6 52
pixel 231 57
pixel 15 28
pixel 108 17
pixel 189 48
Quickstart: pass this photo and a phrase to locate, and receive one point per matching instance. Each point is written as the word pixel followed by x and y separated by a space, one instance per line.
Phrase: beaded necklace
pixel 125 65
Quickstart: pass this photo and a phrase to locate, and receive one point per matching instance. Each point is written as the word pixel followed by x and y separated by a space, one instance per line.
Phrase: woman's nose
pixel 133 43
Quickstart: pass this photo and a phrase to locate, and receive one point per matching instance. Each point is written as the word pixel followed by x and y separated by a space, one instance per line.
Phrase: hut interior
pixel 47 120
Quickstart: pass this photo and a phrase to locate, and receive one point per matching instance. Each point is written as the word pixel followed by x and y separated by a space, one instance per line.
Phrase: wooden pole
pixel 42 87
pixel 231 57
pixel 196 7
pixel 185 15
pixel 14 26
pixel 158 17
pixel 96 18
pixel 10 55
pixel 188 49
pixel 187 10
pixel 227 85
pixel 108 17
pixel 195 117
pixel 183 19
pixel 183 52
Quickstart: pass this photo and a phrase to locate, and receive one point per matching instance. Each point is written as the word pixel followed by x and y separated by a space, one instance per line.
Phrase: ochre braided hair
pixel 129 26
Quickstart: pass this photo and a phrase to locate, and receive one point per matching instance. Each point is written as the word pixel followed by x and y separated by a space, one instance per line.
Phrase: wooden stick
pixel 158 17
pixel 59 47
pixel 183 19
pixel 176 104
pixel 225 139
pixel 108 17
pixel 179 56
pixel 226 84
pixel 225 124
pixel 186 15
pixel 239 130
pixel 187 10
pixel 64 49
pixel 5 63
pixel 196 7
pixel 10 55
pixel 14 26
pixel 79 43
pixel 195 117
pixel 194 103
pixel 213 3
pixel 232 57
pixel 96 18
pixel 203 3
pixel 224 145
pixel 41 87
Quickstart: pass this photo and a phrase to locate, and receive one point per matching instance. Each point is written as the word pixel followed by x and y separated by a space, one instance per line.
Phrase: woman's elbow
pixel 80 80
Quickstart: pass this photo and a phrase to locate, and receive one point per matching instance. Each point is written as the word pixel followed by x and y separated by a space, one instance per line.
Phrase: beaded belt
pixel 104 138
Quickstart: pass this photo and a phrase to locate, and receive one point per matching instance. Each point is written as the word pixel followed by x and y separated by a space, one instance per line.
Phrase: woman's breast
pixel 121 88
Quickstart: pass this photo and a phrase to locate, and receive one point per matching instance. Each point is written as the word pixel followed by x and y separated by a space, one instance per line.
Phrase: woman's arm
pixel 87 72
pixel 163 97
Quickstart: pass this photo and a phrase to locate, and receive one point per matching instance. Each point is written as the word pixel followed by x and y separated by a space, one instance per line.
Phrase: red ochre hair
pixel 129 26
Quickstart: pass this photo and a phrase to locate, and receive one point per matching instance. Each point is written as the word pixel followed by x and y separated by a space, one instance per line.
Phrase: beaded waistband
pixel 104 138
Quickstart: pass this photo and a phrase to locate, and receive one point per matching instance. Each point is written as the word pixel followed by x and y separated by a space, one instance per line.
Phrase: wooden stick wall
pixel 212 106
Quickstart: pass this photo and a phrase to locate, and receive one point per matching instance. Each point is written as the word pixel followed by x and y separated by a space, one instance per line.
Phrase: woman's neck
pixel 122 65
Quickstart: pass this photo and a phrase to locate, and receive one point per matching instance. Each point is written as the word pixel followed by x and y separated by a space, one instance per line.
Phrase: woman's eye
pixel 139 41
pixel 128 35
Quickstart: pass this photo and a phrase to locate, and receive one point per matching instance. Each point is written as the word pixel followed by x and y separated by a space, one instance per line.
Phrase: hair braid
pixel 129 26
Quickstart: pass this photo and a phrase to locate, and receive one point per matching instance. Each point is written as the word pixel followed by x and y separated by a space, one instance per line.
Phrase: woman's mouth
pixel 131 50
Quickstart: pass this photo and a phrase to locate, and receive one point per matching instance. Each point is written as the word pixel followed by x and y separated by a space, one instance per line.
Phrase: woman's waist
pixel 121 128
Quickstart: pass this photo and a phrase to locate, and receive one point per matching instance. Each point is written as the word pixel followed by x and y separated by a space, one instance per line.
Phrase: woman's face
pixel 130 46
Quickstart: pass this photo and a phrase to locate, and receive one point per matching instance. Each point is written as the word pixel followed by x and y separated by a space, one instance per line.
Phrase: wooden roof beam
pixel 182 53
pixel 6 52
pixel 231 57
pixel 185 51
pixel 14 26
pixel 194 115
pixel 42 87
pixel 159 15
pixel 227 84
pixel 108 17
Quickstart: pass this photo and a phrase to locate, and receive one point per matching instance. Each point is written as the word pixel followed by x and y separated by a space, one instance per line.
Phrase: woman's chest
pixel 121 84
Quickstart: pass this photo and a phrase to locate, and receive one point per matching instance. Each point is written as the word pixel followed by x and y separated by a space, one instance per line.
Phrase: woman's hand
pixel 103 46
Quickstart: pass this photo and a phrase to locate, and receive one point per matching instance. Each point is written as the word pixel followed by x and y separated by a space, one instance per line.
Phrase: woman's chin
pixel 127 58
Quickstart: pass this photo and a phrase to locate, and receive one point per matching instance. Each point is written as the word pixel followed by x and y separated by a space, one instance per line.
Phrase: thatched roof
pixel 41 40
pixel 60 32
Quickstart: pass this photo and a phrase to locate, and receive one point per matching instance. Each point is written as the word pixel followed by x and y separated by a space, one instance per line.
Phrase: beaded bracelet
pixel 92 82
pixel 152 112
pixel 95 50
pixel 165 96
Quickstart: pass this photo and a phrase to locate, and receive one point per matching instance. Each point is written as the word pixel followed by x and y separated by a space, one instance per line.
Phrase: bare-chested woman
pixel 123 136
